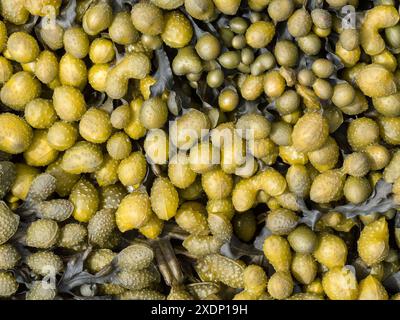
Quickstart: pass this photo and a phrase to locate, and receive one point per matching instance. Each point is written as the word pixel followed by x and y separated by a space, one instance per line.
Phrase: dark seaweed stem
pixel 75 275
pixel 198 32
pixel 167 262
pixel 314 4
pixel 163 76
pixel 380 201
pixel 121 5
pixel 397 220
pixel 259 240
pixel 392 282
pixel 235 249
pixel 68 15
pixel 28 27
pixel 310 216
pixel 207 95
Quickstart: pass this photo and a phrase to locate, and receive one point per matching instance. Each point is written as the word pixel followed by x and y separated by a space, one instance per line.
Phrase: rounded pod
pixel 154 113
pixel 20 89
pixel 73 71
pixel 298 180
pixel 134 211
pixel 326 157
pixel 119 146
pixel 47 67
pixel 217 184
pixel 362 132
pixel 178 30
pixel 97 76
pixel 164 198
pixel 331 251
pixel 101 51
pixel 147 18
pixel 304 268
pixel 8 284
pixel 44 263
pixel 372 289
pixel 300 23
pixel 389 128
pixel 73 236
pixel 107 174
pixel 9 257
pixel 40 152
pixel 189 128
pixel 280 10
pixel 101 227
pixel 373 244
pixel 274 84
pixel 376 81
pixel 83 157
pixel 377 18
pixel 97 18
pixel 132 170
pixel 356 164
pixel 302 239
pixel 208 47
pixel 85 198
pixel 95 126
pixel 229 7
pixel 132 66
pixel 122 30
pixel 42 234
pixel 22 47
pixel 281 221
pixel 24 177
pixel 340 284
pixel 69 103
pixel 277 251
pixel 76 42
pixel 179 171
pixel 255 279
pixel 62 135
pixel 135 257
pixel 9 223
pixel 310 132
pixel 260 34
pixel 200 9
pixel 280 285
pixel 15 134
pixel 156 146
pixel 343 95
pixel 52 35
pixel 14 11
pixel 388 106
pixel 191 217
pixel 253 126
pixel 153 228
pixel 327 187
pixel 121 117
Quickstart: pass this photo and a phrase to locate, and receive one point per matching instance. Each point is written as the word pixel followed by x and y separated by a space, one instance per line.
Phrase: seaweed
pixel 75 275
pixel 260 239
pixel 392 282
pixel 68 14
pixel 121 5
pixel 380 201
pixel 163 76
pixel 236 249
pixel 310 216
